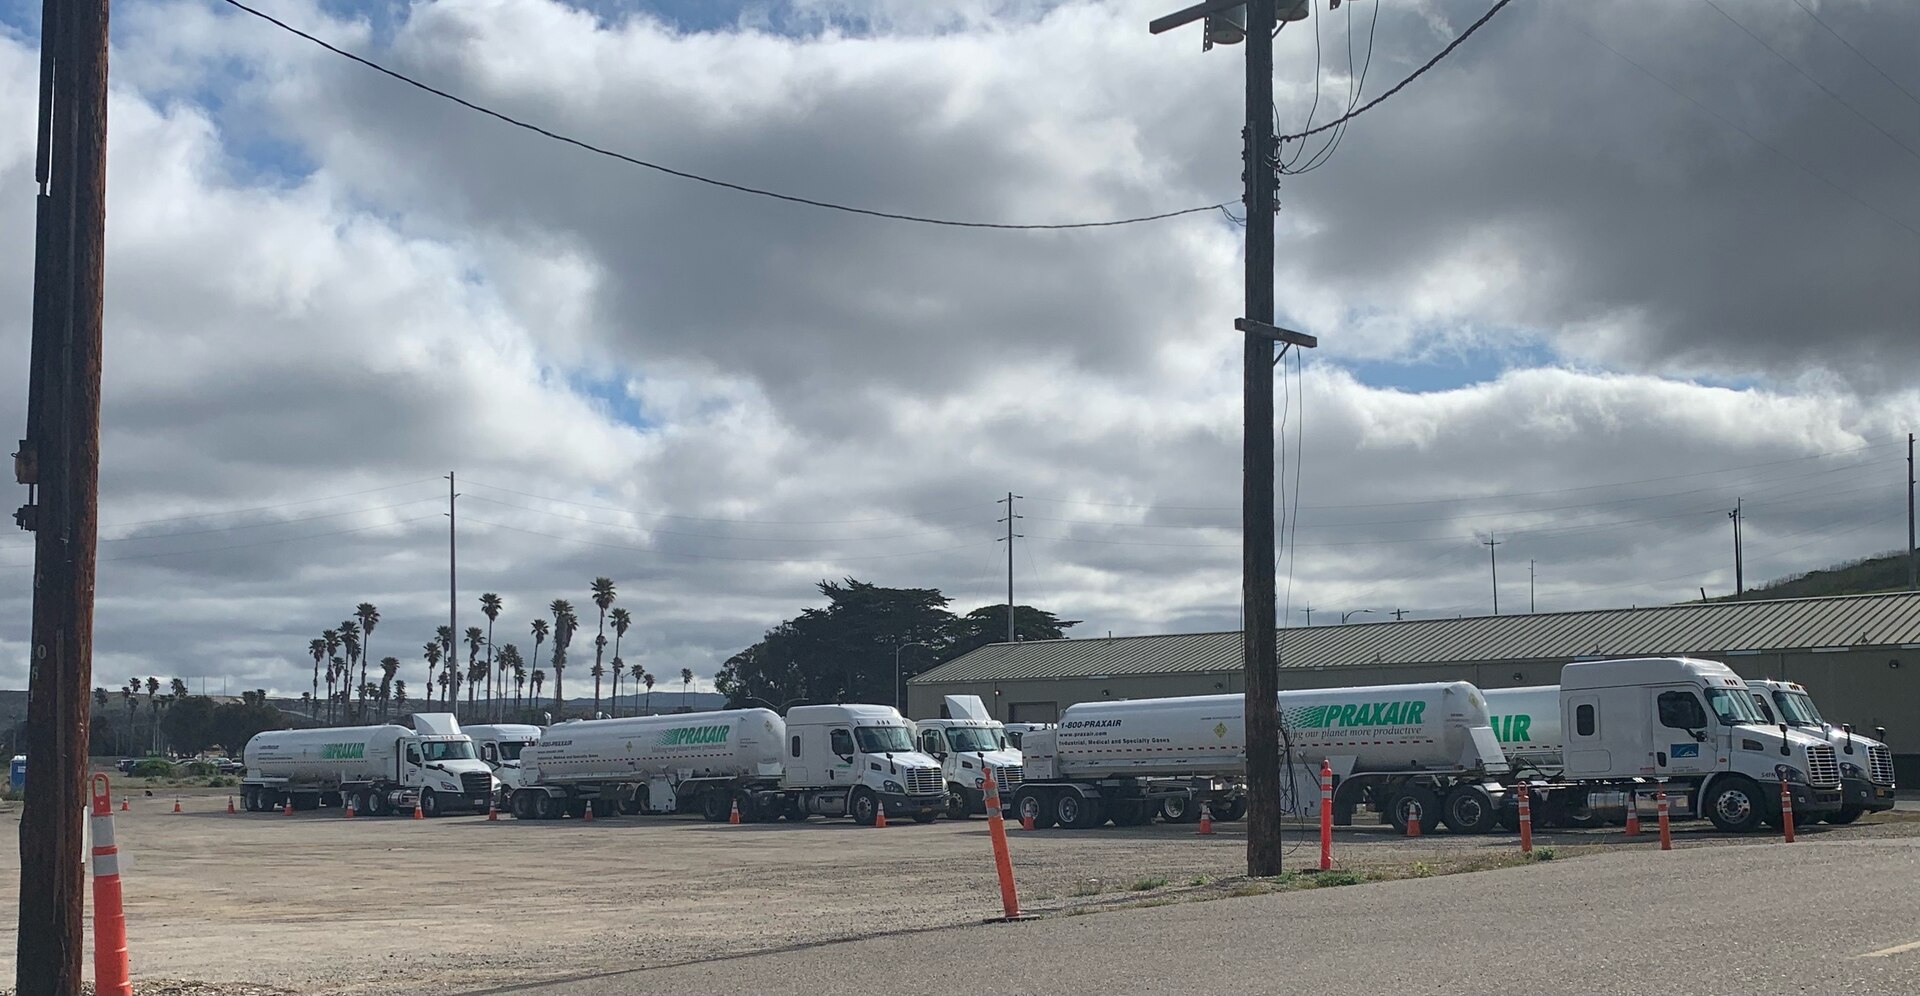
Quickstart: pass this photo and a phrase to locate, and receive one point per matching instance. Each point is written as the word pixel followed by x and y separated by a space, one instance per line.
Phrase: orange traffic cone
pixel 1206 819
pixel 588 813
pixel 733 815
pixel 1413 819
pixel 879 814
pixel 1026 821
pixel 417 814
pixel 288 811
pixel 123 804
pixel 493 811
pixel 349 807
pixel 1633 816
pixel 229 804
pixel 176 805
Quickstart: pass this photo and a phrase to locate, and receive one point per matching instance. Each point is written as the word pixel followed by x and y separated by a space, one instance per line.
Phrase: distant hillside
pixel 1886 572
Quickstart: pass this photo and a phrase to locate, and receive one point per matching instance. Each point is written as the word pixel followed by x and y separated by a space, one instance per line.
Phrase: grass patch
pixel 1199 880
pixel 1331 879
pixel 1420 869
pixel 1087 887
pixel 1148 884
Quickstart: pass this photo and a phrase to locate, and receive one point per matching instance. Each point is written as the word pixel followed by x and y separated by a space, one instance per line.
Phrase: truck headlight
pixel 1852 770
pixel 893 786
pixel 1790 773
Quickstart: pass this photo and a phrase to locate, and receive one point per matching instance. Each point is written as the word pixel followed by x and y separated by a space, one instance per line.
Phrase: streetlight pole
pixel 1352 612
pixel 1256 22
pixel 900 689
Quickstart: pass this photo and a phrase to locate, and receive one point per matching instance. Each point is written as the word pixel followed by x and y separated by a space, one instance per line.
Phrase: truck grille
pixel 1880 765
pixel 1011 776
pixel 925 781
pixel 1822 768
pixel 476 785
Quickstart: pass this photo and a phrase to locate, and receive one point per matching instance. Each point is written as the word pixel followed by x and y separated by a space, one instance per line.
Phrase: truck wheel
pixel 863 807
pixel 714 806
pixel 374 803
pixel 1734 805
pixel 1469 809
pixel 520 804
pixel 545 807
pixel 248 800
pixel 1846 815
pixel 269 800
pixel 959 804
pixel 1229 810
pixel 1030 806
pixel 429 803
pixel 1077 813
pixel 1180 809
pixel 1401 808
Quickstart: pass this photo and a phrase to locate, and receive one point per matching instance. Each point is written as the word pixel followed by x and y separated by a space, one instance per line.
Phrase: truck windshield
pixel 447 750
pixel 510 749
pixel 1734 707
pixel 975 739
pixel 882 739
pixel 1797 708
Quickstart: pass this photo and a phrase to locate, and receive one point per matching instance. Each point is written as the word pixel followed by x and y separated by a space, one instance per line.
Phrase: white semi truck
pixel 968 742
pixel 828 760
pixel 499 746
pixel 379 769
pixel 1395 746
pixel 1866 765
pixel 1613 731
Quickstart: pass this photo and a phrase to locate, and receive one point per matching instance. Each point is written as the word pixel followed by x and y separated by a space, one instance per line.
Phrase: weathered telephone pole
pixel 59 461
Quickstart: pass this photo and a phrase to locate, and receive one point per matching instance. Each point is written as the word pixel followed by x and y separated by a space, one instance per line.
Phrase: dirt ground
pixel 315 903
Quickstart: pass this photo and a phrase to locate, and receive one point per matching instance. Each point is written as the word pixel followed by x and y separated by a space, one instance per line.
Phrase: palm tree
pixel 647 678
pixel 603 596
pixel 179 688
pixel 389 669
pixel 613 699
pixel 350 642
pixel 539 679
pixel 449 658
pixel 318 648
pixel 400 696
pixel 539 634
pixel 369 617
pixel 127 698
pixel 336 675
pixel 432 651
pixel 621 623
pixel 686 679
pixel 153 712
pixel 332 636
pixel 563 623
pixel 476 638
pixel 490 606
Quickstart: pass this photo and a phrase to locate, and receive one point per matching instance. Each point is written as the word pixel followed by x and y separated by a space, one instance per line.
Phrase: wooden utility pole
pixel 1913 566
pixel 1739 562
pixel 1493 566
pixel 59 461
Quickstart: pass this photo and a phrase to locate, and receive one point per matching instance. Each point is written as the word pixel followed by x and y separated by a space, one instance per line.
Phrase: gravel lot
pixel 315 903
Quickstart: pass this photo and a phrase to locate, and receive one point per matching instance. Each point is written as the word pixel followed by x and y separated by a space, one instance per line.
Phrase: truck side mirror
pixel 1880 734
pixel 1786 748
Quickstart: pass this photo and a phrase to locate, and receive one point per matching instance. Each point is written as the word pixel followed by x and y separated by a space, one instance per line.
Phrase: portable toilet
pixel 17 773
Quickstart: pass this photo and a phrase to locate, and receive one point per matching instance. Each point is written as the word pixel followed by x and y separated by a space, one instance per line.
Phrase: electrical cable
pixel 1863 56
pixel 753 522
pixel 709 536
pixel 654 551
pixel 708 180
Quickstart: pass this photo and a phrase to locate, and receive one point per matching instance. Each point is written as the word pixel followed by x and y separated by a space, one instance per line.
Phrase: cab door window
pixel 413 754
pixel 1681 711
pixel 931 742
pixel 841 741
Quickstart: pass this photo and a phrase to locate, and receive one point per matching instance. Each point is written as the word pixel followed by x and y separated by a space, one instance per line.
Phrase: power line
pixel 246 546
pixel 708 180
pixel 654 551
pixel 750 522
pixel 1397 87
pixel 709 536
pixel 1855 51
pixel 1891 137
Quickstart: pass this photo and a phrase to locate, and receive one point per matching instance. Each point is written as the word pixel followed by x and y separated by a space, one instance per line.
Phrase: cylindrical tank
pixel 728 744
pixel 1384 727
pixel 1527 722
pixel 327 756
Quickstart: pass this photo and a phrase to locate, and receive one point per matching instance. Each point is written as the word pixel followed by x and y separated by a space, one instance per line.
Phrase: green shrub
pixel 198 769
pixel 1333 878
pixel 153 767
pixel 1148 884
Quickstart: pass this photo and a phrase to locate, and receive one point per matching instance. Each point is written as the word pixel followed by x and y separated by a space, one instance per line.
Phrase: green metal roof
pixel 1702 629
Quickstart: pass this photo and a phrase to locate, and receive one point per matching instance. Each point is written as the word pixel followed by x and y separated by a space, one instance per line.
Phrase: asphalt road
pixel 1822 917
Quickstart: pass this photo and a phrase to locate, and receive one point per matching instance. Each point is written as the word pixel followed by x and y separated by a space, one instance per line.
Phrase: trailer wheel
pixel 521 805
pixel 714 805
pixel 1734 805
pixel 1231 809
pixel 268 799
pixel 1469 809
pixel 1180 809
pixel 863 807
pixel 1078 813
pixel 545 806
pixel 373 802
pixel 1401 808
pixel 959 804
pixel 248 801
pixel 429 803
pixel 1029 805
pixel 1846 815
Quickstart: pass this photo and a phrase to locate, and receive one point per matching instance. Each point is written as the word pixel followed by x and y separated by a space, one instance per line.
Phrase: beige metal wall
pixel 1853 686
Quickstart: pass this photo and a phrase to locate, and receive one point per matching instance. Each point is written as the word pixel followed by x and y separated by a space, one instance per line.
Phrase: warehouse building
pixel 1859 655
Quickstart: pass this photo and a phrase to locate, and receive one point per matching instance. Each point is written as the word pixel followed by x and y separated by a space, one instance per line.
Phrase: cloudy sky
pixel 1604 271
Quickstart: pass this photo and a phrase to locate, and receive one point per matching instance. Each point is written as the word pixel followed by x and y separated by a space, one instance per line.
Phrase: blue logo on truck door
pixel 1684 750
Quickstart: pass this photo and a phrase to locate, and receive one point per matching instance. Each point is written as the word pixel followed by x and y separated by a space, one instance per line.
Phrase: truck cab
pixel 860 760
pixel 968 742
pixel 1866 765
pixel 1692 724
pixel 440 760
pixel 499 746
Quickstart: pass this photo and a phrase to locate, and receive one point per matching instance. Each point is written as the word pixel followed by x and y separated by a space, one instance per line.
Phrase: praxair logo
pixel 1513 729
pixel 1323 717
pixel 343 752
pixel 694 735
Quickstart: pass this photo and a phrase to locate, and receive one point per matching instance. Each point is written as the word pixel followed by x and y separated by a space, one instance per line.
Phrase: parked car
pixel 127 763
